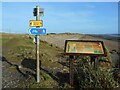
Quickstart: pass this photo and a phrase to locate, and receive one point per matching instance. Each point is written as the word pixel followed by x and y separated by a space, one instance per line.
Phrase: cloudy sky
pixel 60 17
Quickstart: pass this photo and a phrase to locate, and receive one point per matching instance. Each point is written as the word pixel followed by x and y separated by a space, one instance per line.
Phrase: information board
pixel 85 47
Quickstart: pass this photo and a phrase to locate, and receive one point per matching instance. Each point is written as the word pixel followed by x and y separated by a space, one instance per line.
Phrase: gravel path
pixel 59 40
pixel 12 76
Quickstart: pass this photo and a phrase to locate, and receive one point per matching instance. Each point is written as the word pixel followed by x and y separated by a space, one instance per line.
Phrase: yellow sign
pixel 36 23
pixel 84 47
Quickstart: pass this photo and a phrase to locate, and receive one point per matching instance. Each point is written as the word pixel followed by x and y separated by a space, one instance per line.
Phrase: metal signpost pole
pixel 37 46
pixel 37 31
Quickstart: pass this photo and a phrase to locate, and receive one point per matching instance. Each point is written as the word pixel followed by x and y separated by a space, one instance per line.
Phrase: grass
pixel 21 50
pixel 45 81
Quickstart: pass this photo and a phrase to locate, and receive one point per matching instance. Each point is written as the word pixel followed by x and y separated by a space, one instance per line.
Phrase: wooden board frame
pixel 87 54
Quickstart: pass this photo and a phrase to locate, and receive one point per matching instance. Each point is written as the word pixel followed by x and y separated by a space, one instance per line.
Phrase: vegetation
pixel 19 50
pixel 92 78
pixel 102 77
pixel 46 82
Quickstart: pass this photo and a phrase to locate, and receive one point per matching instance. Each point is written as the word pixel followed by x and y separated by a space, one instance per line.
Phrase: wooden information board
pixel 84 47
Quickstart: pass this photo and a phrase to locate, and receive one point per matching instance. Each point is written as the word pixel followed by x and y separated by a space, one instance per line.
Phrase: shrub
pixel 116 73
pixel 91 78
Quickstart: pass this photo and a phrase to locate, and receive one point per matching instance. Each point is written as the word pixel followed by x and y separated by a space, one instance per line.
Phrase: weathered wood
pixel 71 63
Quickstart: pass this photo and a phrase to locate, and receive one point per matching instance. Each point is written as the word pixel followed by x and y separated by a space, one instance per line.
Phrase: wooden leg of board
pixel 71 61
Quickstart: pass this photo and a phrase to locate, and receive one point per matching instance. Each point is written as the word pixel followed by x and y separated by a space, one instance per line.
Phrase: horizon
pixel 63 33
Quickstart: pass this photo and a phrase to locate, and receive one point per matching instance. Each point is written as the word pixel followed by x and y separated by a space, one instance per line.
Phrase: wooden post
pixel 94 60
pixel 71 70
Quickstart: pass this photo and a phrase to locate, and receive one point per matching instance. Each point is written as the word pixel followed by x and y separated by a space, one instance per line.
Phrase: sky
pixel 60 17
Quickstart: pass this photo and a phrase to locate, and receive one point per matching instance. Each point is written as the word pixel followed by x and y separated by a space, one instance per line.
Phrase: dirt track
pixel 59 40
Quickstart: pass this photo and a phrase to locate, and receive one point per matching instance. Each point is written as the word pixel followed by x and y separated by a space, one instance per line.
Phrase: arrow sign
pixel 37 31
pixel 36 23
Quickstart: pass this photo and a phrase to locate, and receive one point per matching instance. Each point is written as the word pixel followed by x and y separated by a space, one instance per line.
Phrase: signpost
pixel 40 12
pixel 37 31
pixel 82 47
pixel 36 23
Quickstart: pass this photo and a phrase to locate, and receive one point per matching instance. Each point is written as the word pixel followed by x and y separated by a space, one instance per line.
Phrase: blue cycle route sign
pixel 37 31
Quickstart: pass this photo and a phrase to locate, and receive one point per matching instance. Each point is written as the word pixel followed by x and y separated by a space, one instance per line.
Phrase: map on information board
pixel 84 47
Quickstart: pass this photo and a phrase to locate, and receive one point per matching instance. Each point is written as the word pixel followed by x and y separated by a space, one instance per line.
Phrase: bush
pixel 91 78
pixel 116 73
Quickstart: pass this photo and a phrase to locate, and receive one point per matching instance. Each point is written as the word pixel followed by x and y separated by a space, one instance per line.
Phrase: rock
pixel 51 45
pixel 118 53
pixel 19 67
pixel 18 55
pixel 114 50
pixel 111 52
pixel 29 53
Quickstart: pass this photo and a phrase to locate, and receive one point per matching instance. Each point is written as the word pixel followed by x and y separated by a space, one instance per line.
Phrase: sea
pixel 114 35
